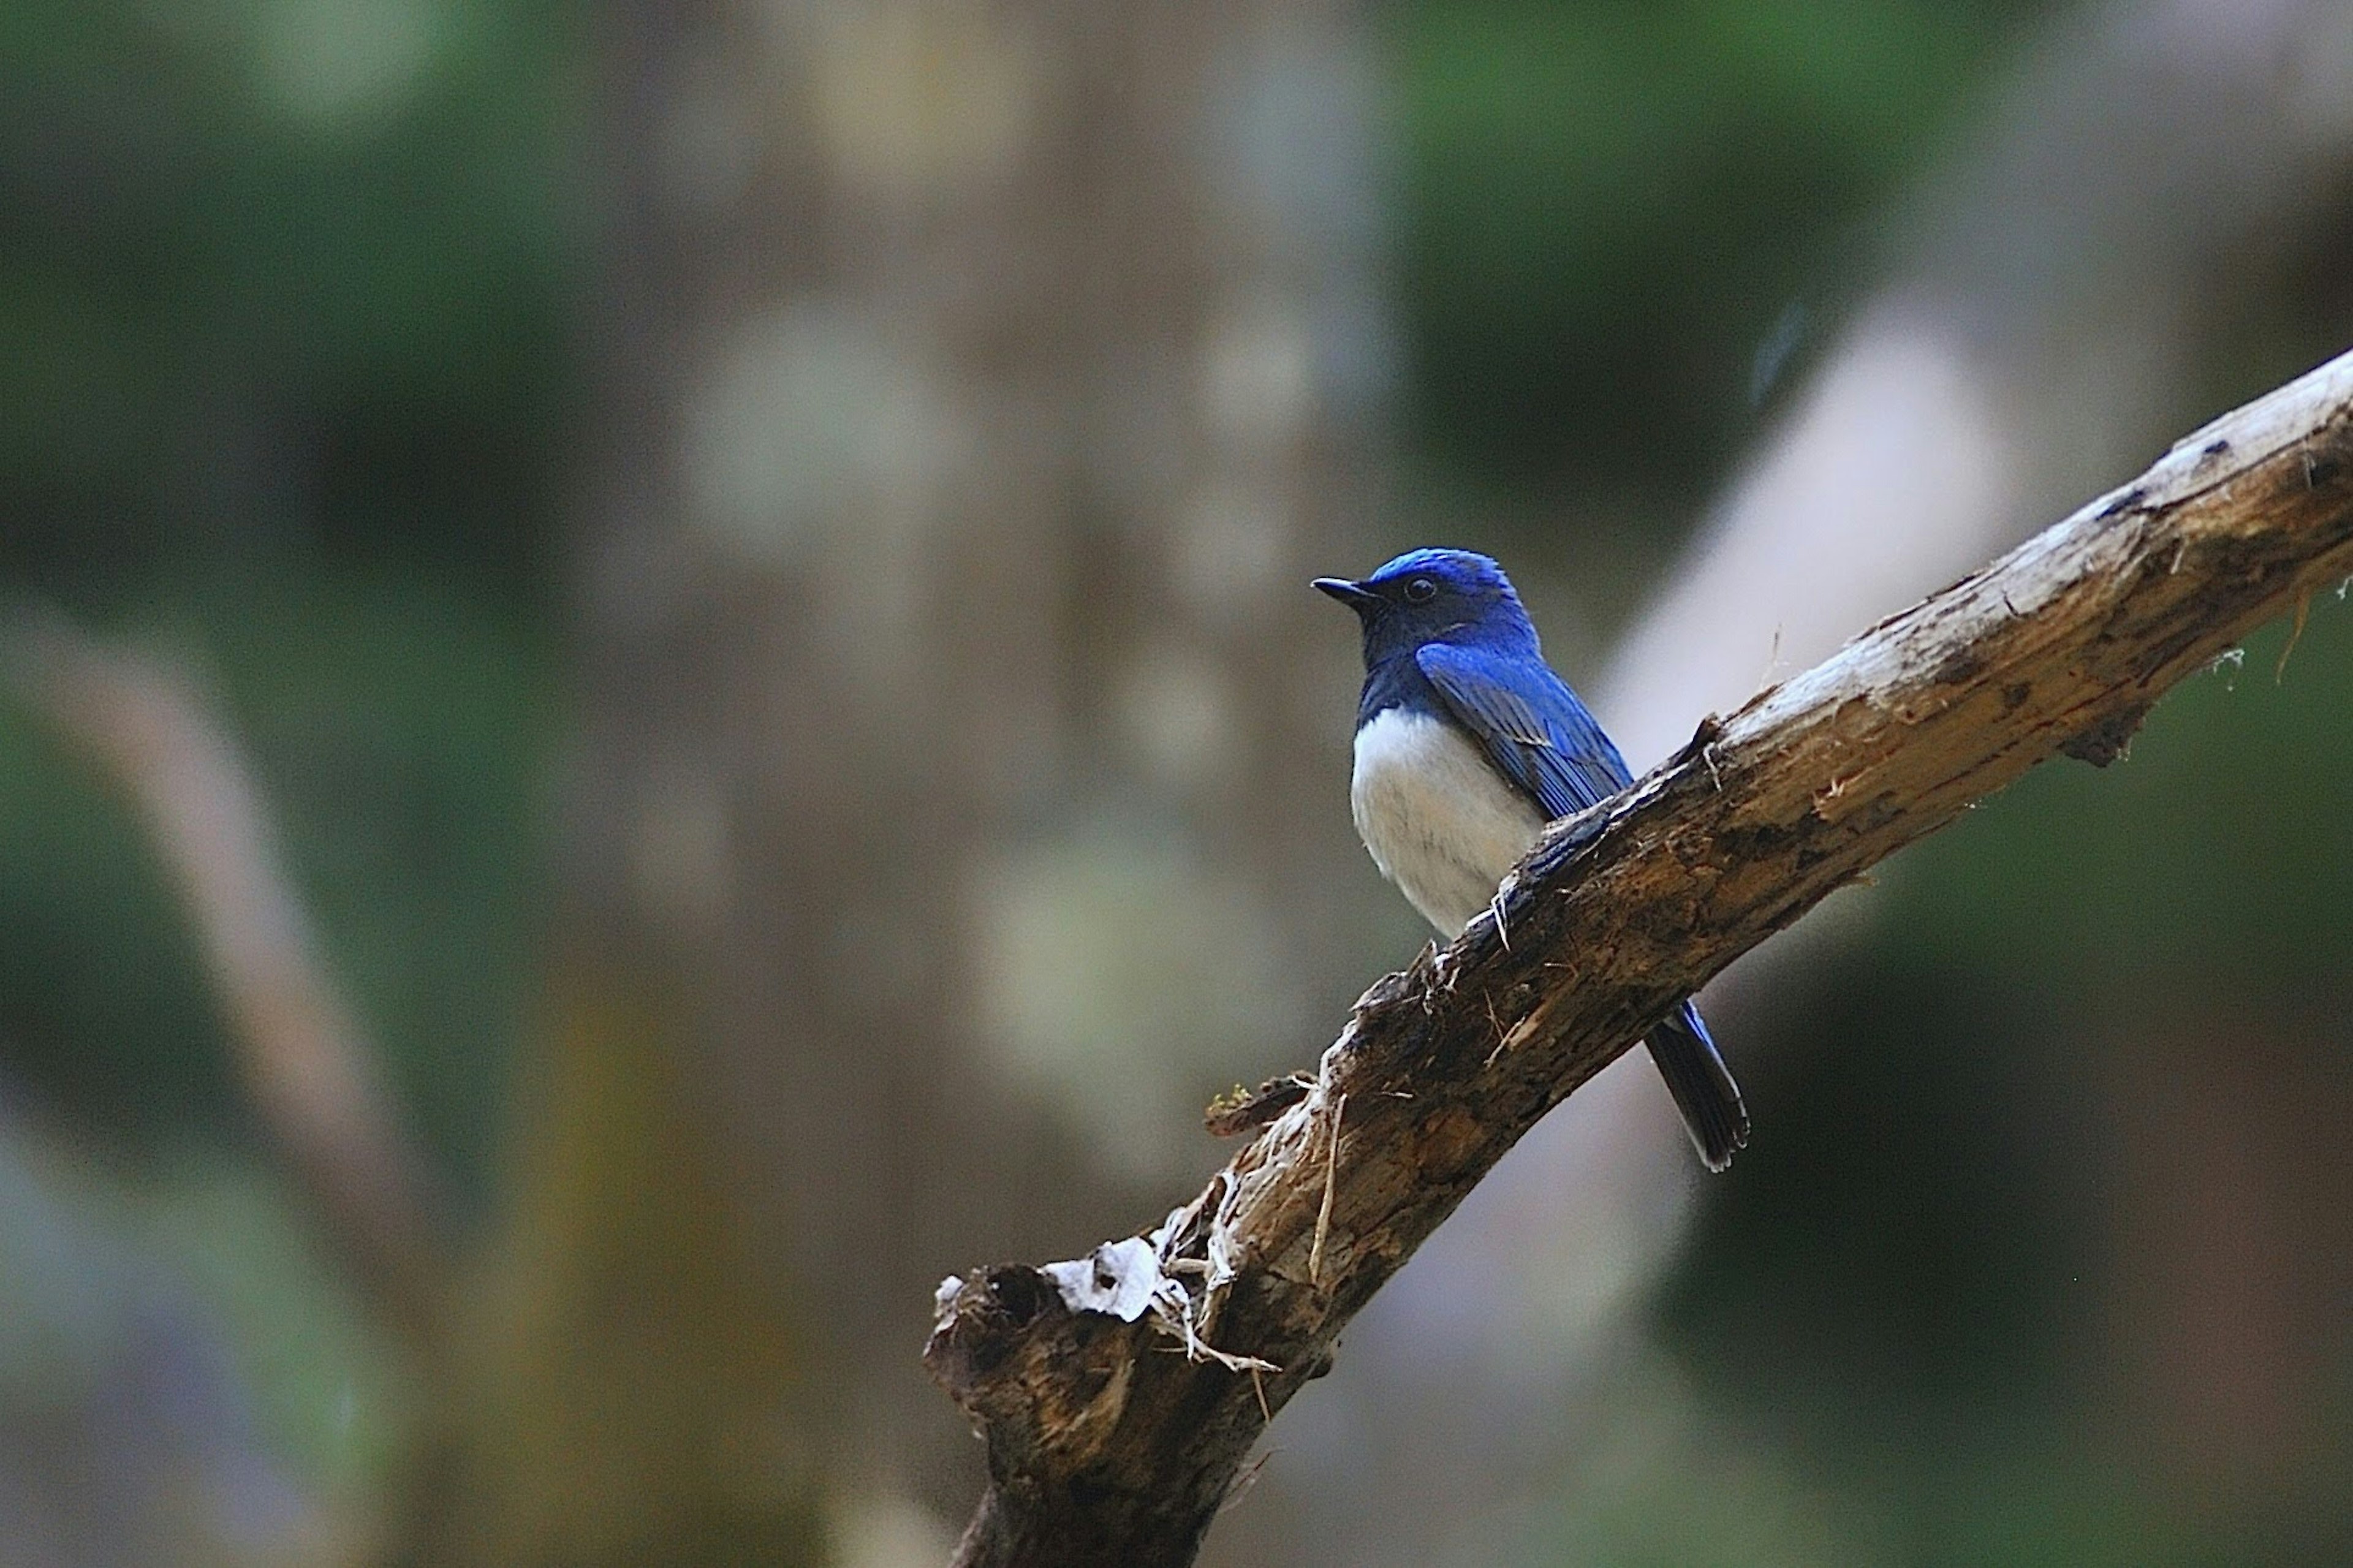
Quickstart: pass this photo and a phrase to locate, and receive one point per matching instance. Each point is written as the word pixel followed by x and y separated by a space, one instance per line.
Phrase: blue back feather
pixel 1461 647
pixel 1471 655
pixel 1530 725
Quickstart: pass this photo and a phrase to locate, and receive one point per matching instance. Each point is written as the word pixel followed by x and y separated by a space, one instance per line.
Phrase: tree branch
pixel 1105 1447
pixel 299 1056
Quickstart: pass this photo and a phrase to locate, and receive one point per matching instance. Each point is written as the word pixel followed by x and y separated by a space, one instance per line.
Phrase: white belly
pixel 1440 823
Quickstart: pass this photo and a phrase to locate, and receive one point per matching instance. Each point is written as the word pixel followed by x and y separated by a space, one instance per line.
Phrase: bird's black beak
pixel 1356 596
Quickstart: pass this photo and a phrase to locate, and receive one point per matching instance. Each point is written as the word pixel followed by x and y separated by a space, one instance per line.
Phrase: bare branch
pixel 300 1057
pixel 1108 1391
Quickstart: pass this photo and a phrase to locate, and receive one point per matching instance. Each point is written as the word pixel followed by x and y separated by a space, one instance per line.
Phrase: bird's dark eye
pixel 1421 591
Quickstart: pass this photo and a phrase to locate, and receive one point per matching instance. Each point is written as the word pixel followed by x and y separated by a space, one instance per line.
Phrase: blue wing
pixel 1530 725
pixel 1538 735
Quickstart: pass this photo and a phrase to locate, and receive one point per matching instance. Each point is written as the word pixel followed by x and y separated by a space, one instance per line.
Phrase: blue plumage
pixel 1467 744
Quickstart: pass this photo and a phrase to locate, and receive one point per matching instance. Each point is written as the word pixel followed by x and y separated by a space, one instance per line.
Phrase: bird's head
pixel 1435 596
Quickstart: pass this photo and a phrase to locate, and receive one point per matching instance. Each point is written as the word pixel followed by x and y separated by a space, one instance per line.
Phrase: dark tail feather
pixel 1702 1085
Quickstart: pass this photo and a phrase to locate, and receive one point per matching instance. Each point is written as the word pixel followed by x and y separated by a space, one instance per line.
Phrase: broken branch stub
pixel 1114 1438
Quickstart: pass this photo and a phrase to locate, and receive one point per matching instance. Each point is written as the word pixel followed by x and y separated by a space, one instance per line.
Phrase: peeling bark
pixel 1114 1439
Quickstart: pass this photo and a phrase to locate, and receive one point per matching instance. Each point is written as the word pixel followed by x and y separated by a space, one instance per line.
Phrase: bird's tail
pixel 1702 1085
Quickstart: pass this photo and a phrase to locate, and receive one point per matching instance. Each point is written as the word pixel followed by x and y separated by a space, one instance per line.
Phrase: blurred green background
pixel 323 355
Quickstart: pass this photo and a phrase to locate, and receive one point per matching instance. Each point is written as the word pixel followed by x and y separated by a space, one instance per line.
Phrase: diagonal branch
pixel 1119 1394
pixel 299 1054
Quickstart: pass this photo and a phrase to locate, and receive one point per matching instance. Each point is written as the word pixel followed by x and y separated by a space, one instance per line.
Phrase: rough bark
pixel 1104 1446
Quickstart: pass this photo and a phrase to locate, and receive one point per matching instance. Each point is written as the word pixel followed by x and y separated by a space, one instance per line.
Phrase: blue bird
pixel 1467 745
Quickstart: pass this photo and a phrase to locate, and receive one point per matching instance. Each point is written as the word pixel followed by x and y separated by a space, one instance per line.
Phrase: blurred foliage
pixel 328 1391
pixel 402 729
pixel 1624 226
pixel 288 378
pixel 1920 1285
pixel 2217 854
pixel 286 381
pixel 1621 220
pixel 284 270
pixel 289 294
pixel 406 723
pixel 102 995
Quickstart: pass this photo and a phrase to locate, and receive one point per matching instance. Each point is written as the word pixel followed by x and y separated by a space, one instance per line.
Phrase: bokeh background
pixel 659 686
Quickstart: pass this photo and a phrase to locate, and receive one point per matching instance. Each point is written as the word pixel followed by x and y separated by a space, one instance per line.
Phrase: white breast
pixel 1440 823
